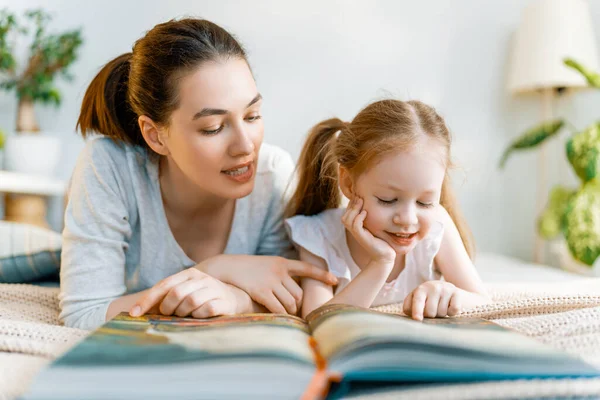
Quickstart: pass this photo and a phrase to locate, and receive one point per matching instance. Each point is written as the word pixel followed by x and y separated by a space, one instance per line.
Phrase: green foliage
pixel 574 213
pixel 582 223
pixel 50 56
pixel 583 152
pixel 532 137
pixel 591 77
pixel 552 222
pixel 2 139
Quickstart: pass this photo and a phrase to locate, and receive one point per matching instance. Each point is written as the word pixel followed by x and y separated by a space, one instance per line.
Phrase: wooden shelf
pixel 14 182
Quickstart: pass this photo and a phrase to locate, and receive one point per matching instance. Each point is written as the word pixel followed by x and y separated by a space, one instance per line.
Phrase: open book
pixel 336 351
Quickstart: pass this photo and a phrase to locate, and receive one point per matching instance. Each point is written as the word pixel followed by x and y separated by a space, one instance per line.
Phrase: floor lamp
pixel 549 31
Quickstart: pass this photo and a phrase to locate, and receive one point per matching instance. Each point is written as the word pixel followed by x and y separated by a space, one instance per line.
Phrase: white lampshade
pixel 549 32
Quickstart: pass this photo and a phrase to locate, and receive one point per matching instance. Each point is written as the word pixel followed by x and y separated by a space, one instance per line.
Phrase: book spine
pixel 319 384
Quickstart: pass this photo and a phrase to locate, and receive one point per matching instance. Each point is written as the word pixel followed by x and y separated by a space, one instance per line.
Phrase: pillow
pixel 28 253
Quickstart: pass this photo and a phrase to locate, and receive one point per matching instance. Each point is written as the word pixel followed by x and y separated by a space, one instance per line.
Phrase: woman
pixel 175 210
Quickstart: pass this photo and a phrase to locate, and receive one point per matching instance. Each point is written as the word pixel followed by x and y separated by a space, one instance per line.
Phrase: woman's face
pixel 215 134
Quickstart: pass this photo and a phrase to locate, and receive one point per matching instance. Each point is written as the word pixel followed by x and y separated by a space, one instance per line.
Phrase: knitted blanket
pixel 563 315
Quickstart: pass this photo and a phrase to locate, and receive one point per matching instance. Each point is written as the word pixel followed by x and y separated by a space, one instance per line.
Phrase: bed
pixel 553 306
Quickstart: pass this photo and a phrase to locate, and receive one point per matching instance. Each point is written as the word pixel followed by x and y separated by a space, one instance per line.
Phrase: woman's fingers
pixel 213 308
pixel 195 300
pixel 295 290
pixel 177 294
pixel 157 293
pixel 271 302
pixel 286 299
pixel 306 270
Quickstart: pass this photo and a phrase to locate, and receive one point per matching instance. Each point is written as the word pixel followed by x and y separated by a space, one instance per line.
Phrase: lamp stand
pixel 542 177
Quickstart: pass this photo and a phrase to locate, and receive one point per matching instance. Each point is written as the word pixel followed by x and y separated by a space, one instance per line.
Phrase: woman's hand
pixel 439 299
pixel 353 219
pixel 268 280
pixel 189 293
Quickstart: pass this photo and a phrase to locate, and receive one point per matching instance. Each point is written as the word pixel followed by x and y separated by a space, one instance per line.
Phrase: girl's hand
pixel 268 280
pixel 189 293
pixel 353 220
pixel 439 299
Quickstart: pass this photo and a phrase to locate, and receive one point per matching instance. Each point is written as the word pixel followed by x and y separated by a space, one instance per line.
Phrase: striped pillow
pixel 28 253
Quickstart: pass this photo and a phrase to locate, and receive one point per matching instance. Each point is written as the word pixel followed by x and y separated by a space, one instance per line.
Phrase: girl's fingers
pixel 363 236
pixel 442 309
pixel 431 306
pixel 418 304
pixel 407 304
pixel 349 208
pixel 454 305
pixel 176 295
pixel 351 214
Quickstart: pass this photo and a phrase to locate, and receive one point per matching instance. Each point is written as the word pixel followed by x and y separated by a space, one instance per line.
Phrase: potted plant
pixel 50 56
pixel 571 214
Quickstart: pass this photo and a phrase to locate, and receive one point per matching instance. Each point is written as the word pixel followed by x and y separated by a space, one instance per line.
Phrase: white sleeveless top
pixel 324 235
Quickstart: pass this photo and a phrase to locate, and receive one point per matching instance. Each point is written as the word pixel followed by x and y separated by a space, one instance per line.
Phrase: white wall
pixel 316 59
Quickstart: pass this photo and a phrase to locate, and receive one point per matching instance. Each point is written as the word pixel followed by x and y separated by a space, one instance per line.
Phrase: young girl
pixel 401 231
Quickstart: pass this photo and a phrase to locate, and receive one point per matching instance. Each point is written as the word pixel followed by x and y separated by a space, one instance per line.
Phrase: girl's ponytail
pixel 317 188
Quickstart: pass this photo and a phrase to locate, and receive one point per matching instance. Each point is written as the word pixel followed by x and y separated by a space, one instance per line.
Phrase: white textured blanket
pixel 30 335
pixel 564 315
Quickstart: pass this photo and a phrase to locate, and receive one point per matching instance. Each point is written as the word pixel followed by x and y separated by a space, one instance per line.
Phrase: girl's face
pixel 401 193
pixel 215 134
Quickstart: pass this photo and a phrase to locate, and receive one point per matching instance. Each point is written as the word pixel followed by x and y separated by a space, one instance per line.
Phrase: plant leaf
pixel 532 138
pixel 551 221
pixel 582 221
pixel 592 77
pixel 583 152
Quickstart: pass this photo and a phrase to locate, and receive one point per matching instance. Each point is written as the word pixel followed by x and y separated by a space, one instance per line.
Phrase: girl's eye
pixel 253 118
pixel 425 205
pixel 382 201
pixel 212 132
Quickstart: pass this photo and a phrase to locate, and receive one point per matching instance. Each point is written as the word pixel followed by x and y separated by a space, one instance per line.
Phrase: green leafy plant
pixel 50 55
pixel 2 139
pixel 571 212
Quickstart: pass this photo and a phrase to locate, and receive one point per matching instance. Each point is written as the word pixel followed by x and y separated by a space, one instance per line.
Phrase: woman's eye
pixel 425 205
pixel 383 201
pixel 253 118
pixel 213 131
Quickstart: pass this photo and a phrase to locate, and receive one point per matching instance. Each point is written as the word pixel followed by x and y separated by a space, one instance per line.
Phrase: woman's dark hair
pixel 145 81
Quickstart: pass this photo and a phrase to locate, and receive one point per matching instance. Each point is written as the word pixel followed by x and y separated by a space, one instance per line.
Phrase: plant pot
pixel 560 249
pixel 32 153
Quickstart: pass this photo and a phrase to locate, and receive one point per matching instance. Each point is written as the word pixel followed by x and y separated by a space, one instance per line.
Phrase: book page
pixel 266 334
pixel 162 339
pixel 340 329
